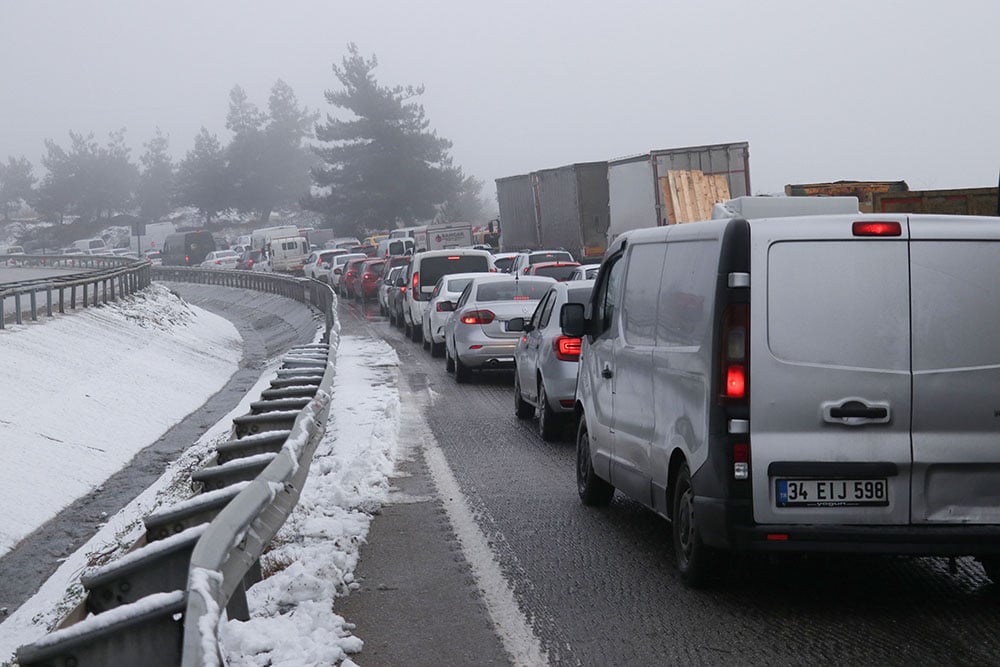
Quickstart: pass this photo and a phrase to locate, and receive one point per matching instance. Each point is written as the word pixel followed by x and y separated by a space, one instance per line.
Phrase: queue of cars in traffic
pixel 843 404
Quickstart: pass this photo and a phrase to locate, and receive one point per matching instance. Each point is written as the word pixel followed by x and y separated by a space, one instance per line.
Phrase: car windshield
pixel 512 290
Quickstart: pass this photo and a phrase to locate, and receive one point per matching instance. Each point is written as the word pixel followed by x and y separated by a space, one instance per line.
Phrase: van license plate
pixel 832 492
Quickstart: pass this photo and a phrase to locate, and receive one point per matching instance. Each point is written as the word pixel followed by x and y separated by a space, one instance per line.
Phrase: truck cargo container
pixel 565 207
pixel 638 187
pixel 965 201
pixel 442 236
pixel 863 190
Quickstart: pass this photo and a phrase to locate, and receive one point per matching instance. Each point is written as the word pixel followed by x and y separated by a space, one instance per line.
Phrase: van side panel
pixel 829 337
pixel 956 370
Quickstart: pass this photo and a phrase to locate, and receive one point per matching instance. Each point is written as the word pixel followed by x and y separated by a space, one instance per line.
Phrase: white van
pixel 423 273
pixel 92 246
pixel 798 384
pixel 395 247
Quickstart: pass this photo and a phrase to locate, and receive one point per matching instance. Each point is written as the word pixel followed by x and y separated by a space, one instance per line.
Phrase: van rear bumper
pixel 729 525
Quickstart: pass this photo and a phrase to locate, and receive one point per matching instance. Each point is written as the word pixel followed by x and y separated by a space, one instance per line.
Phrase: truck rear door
pixel 956 369
pixel 830 371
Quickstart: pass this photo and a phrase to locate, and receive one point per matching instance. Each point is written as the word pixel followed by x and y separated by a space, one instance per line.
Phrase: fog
pixel 822 91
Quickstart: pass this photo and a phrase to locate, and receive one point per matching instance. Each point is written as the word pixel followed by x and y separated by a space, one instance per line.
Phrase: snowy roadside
pixel 314 555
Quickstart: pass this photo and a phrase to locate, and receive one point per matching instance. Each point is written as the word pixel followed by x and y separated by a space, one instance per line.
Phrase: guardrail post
pixel 48 300
pixel 17 308
pixel 85 295
pixel 96 303
pixel 62 300
pixel 34 306
pixel 2 315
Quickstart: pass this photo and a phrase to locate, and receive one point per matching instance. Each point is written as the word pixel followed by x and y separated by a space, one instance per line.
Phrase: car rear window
pixel 432 268
pixel 538 258
pixel 512 290
pixel 503 263
pixel 557 272
pixel 458 284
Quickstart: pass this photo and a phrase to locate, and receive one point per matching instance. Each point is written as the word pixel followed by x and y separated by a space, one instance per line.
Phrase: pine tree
pixel 203 177
pixel 383 167
pixel 16 184
pixel 156 182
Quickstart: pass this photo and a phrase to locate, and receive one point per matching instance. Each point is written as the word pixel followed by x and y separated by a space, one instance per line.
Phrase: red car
pixel 351 279
pixel 371 271
pixel 559 270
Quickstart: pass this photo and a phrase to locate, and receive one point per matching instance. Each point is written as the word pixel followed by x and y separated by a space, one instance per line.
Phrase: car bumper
pixel 728 525
pixel 489 354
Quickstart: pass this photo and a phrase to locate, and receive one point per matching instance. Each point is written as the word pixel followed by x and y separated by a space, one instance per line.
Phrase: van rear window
pixel 432 268
pixel 839 303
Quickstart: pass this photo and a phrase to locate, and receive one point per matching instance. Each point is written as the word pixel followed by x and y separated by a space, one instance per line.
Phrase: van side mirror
pixel 571 320
pixel 448 306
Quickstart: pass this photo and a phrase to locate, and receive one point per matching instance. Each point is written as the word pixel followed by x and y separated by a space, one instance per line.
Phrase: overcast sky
pixel 823 91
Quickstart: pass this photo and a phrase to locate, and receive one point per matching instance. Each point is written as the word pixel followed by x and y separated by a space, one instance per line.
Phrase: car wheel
pixel 462 372
pixel 549 423
pixel 437 349
pixel 407 329
pixel 449 363
pixel 416 333
pixel 522 409
pixel 424 341
pixel 696 563
pixel 991 565
pixel 593 490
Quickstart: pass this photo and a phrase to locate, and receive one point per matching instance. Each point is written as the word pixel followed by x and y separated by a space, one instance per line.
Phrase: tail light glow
pixel 735 353
pixel 477 317
pixel 566 348
pixel 736 382
pixel 416 285
pixel 876 228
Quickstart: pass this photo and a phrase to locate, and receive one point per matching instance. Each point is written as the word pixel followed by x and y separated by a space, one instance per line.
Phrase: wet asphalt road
pixel 598 585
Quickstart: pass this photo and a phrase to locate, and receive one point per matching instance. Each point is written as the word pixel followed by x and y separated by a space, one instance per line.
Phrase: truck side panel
pixel 965 201
pixel 592 198
pixel 556 194
pixel 518 225
pixel 631 195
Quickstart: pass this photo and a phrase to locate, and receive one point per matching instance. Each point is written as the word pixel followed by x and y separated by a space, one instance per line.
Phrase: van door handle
pixel 855 411
pixel 606 371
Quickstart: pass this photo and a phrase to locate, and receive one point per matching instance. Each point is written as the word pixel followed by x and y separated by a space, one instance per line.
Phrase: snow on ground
pixel 313 557
pixel 148 361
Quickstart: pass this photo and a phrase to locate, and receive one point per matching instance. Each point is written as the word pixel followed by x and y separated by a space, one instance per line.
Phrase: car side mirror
pixel 337 271
pixel 400 282
pixel 447 306
pixel 516 324
pixel 326 265
pixel 571 320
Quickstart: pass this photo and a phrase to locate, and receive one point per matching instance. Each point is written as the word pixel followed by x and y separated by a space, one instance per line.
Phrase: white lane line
pixel 511 625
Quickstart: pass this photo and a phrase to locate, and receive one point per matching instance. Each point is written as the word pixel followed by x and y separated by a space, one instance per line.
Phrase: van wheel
pixel 991 565
pixel 593 490
pixel 549 423
pixel 522 409
pixel 696 563
pixel 462 372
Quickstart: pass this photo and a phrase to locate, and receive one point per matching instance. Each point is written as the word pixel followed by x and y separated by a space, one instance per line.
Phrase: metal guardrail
pixel 161 604
pixel 306 290
pixel 108 279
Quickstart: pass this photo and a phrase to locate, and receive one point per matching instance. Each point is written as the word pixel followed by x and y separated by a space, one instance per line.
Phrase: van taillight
pixel 741 460
pixel 416 285
pixel 735 352
pixel 876 228
pixel 566 348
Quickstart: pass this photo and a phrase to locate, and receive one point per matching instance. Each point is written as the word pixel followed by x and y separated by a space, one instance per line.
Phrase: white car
pixel 523 261
pixel 448 288
pixel 504 260
pixel 337 265
pixel 318 263
pixel 220 259
pixel 585 272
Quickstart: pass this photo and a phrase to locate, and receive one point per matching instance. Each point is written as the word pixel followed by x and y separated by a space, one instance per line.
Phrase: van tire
pixel 697 564
pixel 549 423
pixel 991 565
pixel 593 490
pixel 522 409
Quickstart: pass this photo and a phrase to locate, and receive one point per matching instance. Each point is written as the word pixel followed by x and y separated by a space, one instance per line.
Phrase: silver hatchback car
pixel 476 335
pixel 448 288
pixel 546 360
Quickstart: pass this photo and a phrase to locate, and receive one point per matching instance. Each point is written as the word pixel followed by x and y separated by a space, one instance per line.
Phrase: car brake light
pixel 366 276
pixel 218 261
pixel 877 229
pixel 566 348
pixel 735 352
pixel 478 317
pixel 415 283
pixel 521 297
pixel 741 460
pixel 454 257
pixel 187 260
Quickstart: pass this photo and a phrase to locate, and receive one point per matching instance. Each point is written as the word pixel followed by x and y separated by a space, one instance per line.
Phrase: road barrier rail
pixel 102 279
pixel 161 603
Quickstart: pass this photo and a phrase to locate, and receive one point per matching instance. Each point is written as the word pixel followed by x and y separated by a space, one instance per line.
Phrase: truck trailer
pixel 561 208
pixel 964 201
pixel 674 185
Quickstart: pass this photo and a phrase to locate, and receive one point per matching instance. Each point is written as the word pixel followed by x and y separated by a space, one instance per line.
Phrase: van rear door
pixel 829 372
pixel 956 369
